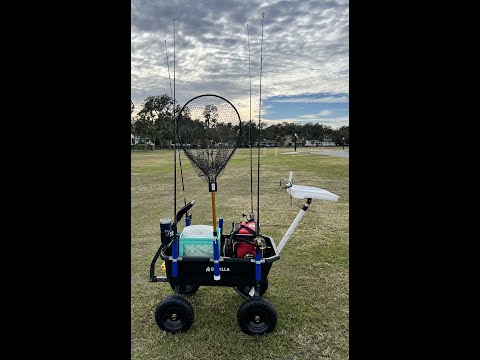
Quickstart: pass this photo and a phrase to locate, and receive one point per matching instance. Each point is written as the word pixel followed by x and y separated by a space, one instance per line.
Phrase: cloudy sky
pixel 305 74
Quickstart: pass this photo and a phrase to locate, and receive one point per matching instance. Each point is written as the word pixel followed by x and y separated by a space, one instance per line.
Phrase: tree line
pixel 154 121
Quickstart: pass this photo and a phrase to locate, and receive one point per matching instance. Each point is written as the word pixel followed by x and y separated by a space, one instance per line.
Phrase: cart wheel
pixel 187 289
pixel 174 314
pixel 245 290
pixel 257 316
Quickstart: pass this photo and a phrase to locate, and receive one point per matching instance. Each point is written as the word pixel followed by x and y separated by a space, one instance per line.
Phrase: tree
pixel 132 118
pixel 158 110
pixel 342 132
pixel 211 116
pixel 142 126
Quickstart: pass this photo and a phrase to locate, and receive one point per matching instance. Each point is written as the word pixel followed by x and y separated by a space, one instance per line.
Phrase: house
pixel 313 143
pixel 267 143
pixel 327 141
pixel 135 140
pixel 290 141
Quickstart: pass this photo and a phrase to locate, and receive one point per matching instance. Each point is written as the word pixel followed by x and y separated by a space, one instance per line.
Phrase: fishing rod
pixel 175 136
pixel 179 158
pixel 249 130
pixel 174 227
pixel 168 67
pixel 258 137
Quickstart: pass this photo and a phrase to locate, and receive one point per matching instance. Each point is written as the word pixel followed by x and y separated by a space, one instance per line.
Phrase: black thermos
pixel 165 228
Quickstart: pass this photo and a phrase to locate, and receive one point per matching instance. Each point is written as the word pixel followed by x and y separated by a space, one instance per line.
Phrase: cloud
pixel 327 99
pixel 316 116
pixel 334 122
pixel 305 50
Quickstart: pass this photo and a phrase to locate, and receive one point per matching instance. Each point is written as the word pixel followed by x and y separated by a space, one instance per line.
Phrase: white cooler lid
pixel 198 231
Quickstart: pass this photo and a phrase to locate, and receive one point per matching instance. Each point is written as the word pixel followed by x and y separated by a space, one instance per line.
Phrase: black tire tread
pixel 178 301
pixel 250 305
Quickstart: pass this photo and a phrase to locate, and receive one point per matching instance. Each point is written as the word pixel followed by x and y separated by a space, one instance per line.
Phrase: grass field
pixel 308 285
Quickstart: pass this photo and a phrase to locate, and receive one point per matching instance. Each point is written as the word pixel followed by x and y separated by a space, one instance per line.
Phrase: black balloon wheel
pixel 259 320
pixel 257 316
pixel 174 314
pixel 173 318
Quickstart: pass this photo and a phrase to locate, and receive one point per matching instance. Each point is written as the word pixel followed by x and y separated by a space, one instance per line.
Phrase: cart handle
pixel 294 225
pixel 154 278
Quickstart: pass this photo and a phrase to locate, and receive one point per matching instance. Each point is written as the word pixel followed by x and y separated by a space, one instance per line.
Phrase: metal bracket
pixel 180 258
pixel 254 261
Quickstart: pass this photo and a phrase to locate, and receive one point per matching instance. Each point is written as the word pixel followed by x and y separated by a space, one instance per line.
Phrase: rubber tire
pixel 181 307
pixel 246 289
pixel 187 289
pixel 257 306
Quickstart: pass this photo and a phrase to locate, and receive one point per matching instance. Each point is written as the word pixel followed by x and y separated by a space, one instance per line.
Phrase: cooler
pixel 197 240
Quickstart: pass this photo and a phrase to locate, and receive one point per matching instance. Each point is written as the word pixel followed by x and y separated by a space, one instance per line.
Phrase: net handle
pixel 214 213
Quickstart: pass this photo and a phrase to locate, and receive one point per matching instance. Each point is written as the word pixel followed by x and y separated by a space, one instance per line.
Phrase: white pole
pixel 293 226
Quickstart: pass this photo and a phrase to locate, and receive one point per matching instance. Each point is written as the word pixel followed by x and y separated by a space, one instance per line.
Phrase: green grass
pixel 308 286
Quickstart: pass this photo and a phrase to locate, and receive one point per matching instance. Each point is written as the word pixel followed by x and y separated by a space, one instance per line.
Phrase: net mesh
pixel 209 130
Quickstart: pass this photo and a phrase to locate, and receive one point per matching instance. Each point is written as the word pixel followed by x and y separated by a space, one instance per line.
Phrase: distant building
pixel 290 141
pixel 267 143
pixel 327 141
pixel 313 143
pixel 135 140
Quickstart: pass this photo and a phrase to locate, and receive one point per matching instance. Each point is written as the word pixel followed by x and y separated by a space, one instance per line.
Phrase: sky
pixel 304 66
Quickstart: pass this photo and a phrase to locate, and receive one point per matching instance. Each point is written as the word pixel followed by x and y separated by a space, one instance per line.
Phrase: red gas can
pixel 243 239
pixel 244 250
pixel 243 231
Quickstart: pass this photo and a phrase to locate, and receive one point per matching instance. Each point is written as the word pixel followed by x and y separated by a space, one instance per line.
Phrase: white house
pixel 135 140
pixel 313 143
pixel 327 141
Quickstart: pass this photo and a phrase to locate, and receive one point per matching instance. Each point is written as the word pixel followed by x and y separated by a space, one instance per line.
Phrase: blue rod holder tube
pixel 258 266
pixel 220 225
pixel 216 259
pixel 175 257
pixel 187 220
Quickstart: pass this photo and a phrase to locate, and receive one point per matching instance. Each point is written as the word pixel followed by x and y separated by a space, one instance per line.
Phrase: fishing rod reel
pixel 260 242
pixel 251 216
pixel 287 183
